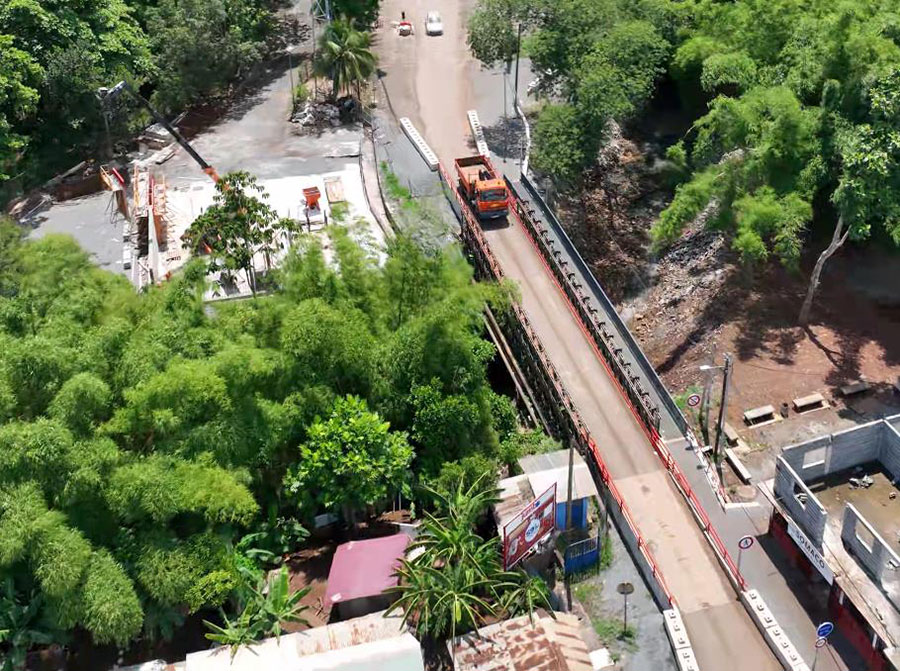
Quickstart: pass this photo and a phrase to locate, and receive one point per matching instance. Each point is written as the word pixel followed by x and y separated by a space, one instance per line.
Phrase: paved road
pixel 427 79
pixel 253 135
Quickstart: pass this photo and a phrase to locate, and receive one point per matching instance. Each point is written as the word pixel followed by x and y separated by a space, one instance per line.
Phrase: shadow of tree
pixel 506 138
pixel 764 309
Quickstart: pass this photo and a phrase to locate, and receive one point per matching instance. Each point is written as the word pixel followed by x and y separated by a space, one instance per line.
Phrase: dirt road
pixel 427 80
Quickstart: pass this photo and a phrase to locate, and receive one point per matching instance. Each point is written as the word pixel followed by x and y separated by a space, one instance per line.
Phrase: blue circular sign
pixel 824 629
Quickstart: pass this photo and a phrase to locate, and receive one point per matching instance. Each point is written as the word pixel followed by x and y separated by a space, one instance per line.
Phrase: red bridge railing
pixel 488 265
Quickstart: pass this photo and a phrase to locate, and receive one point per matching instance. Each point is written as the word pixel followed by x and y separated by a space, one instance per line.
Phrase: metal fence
pixel 582 555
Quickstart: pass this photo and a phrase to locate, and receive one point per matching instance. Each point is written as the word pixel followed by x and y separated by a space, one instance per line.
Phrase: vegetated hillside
pixel 156 454
pixel 55 55
pixel 791 109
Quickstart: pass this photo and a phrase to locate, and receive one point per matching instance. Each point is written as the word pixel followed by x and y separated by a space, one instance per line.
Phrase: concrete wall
pixel 874 559
pixel 890 448
pixel 856 446
pixel 818 457
pixel 811 516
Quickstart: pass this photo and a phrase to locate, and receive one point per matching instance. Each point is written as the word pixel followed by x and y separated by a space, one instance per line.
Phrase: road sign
pixel 693 399
pixel 529 527
pixel 824 629
pixel 745 543
pixel 625 588
pixel 821 641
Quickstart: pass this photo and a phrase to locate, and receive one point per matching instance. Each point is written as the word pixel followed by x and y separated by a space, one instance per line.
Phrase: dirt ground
pixel 695 302
pixel 310 566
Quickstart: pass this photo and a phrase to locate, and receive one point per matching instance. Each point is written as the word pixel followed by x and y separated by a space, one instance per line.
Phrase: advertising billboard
pixel 533 523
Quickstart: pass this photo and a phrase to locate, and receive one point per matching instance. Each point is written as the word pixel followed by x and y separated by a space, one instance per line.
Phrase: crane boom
pixel 160 119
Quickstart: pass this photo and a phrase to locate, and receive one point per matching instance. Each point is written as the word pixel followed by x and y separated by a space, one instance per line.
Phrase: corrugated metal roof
pixel 515 493
pixel 543 462
pixel 522 645
pixel 582 483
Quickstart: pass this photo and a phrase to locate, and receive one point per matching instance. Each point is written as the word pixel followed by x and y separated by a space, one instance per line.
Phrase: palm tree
pixel 456 582
pixel 344 56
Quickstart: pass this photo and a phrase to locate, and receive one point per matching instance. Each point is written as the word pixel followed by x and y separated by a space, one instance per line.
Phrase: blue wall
pixel 579 514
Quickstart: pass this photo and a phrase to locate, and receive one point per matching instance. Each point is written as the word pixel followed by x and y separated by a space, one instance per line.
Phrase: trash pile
pixel 861 483
pixel 317 115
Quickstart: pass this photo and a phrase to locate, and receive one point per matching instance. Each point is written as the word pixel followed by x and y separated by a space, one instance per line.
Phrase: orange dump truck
pixel 483 187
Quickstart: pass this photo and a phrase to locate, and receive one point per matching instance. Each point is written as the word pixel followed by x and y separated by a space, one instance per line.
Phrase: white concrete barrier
pixel 765 621
pixel 784 649
pixel 419 142
pixel 477 132
pixel 686 660
pixel 762 616
pixel 675 629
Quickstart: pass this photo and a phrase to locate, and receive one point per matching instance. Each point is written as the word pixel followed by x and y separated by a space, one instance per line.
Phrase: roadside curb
pixel 368 164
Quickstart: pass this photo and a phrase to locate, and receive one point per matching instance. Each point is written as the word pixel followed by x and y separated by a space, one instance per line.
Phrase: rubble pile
pixel 317 115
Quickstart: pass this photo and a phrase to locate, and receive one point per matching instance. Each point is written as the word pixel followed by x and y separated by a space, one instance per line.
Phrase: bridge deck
pixel 721 631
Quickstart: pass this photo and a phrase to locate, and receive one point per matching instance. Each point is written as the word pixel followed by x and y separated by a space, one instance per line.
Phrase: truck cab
pixel 485 191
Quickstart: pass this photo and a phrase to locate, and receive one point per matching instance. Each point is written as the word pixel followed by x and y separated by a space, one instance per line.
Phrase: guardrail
pixel 629 385
pixel 566 418
pixel 638 354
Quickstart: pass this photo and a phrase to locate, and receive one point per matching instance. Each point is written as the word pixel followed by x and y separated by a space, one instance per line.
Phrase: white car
pixel 433 24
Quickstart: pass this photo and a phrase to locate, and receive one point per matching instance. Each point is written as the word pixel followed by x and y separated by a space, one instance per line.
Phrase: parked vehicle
pixel 482 187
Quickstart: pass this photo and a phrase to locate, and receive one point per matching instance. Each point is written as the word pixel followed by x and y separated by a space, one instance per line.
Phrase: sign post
pixel 625 588
pixel 823 631
pixel 529 527
pixel 744 544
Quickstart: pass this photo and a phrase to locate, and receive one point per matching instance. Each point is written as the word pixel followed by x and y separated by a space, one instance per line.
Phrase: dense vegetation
pixel 793 106
pixel 55 55
pixel 456 582
pixel 144 437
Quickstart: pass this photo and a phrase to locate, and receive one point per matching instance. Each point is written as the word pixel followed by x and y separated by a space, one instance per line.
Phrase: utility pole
pixel 568 528
pixel 518 51
pixel 291 71
pixel 720 426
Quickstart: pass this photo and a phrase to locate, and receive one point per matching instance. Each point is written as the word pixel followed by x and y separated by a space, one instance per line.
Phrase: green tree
pixel 19 77
pixel 81 403
pixel 200 46
pixel 560 143
pixel 344 56
pixel 361 12
pixel 350 459
pixel 236 227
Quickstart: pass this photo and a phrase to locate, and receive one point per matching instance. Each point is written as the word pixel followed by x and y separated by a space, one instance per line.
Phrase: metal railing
pixel 637 399
pixel 567 418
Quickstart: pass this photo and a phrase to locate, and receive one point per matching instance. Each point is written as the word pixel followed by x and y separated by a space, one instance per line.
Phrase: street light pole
pixel 291 71
pixel 720 425
pixel 518 51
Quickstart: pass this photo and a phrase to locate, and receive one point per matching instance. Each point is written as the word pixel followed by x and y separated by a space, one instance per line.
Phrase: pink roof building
pixel 360 573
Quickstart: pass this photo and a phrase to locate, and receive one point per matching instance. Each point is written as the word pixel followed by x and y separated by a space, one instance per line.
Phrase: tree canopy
pixel 143 435
pixel 54 58
pixel 793 108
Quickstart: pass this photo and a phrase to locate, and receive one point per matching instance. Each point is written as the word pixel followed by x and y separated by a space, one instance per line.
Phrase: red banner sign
pixel 529 527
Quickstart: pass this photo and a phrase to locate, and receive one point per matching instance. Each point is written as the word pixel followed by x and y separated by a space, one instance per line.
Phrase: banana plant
pixel 21 626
